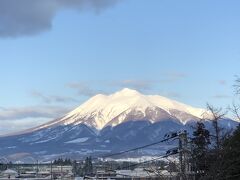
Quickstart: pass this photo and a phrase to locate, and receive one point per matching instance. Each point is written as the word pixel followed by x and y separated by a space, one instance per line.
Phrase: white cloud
pixel 16 113
pixel 83 89
pixel 13 126
pixel 19 118
pixel 221 96
pixel 52 98
pixel 140 85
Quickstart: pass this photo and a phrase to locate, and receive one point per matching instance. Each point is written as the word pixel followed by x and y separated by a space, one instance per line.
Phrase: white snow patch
pixel 78 140
pixel 99 110
pixel 43 141
pixel 11 147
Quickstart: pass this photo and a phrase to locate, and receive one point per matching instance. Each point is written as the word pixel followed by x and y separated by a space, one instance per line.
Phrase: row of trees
pixel 216 155
pixel 62 162
pixel 82 169
pixel 220 161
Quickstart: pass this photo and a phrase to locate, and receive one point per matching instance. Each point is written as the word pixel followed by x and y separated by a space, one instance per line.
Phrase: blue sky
pixel 185 50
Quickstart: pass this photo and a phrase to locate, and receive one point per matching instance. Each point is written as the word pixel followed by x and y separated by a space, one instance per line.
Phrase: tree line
pixel 216 155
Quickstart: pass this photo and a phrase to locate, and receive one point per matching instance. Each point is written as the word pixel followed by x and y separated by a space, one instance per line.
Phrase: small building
pixel 9 173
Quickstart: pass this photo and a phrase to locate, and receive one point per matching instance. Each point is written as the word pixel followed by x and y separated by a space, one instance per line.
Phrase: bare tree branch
pixel 235 110
pixel 237 86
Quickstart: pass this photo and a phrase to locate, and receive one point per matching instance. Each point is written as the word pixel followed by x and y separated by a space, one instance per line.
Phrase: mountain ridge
pixel 107 123
pixel 101 109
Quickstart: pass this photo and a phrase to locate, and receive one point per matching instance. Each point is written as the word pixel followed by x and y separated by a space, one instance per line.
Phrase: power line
pixel 144 162
pixel 137 148
pixel 136 164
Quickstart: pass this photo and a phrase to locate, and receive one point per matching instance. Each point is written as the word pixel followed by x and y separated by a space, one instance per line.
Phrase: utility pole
pixel 183 159
pixel 61 171
pixel 37 169
pixel 51 171
pixel 184 150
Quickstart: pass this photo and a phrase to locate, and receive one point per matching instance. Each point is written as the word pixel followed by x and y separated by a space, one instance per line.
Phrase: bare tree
pixel 236 107
pixel 235 110
pixel 216 114
pixel 215 155
pixel 237 86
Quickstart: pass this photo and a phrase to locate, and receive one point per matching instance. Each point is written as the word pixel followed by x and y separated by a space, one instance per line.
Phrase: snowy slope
pixel 102 110
pixel 123 120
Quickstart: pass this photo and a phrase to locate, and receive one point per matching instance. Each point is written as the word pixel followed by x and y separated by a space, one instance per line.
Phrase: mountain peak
pixel 127 104
pixel 128 92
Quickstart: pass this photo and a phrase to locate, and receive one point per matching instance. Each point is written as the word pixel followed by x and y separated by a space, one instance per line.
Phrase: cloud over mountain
pixel 83 89
pixel 52 98
pixel 16 113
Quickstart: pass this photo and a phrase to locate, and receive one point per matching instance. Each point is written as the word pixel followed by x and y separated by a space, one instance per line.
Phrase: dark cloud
pixel 17 113
pixel 52 98
pixel 29 17
pixel 84 90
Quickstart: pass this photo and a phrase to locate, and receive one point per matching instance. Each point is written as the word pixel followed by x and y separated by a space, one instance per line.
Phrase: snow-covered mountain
pixel 102 110
pixel 106 123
